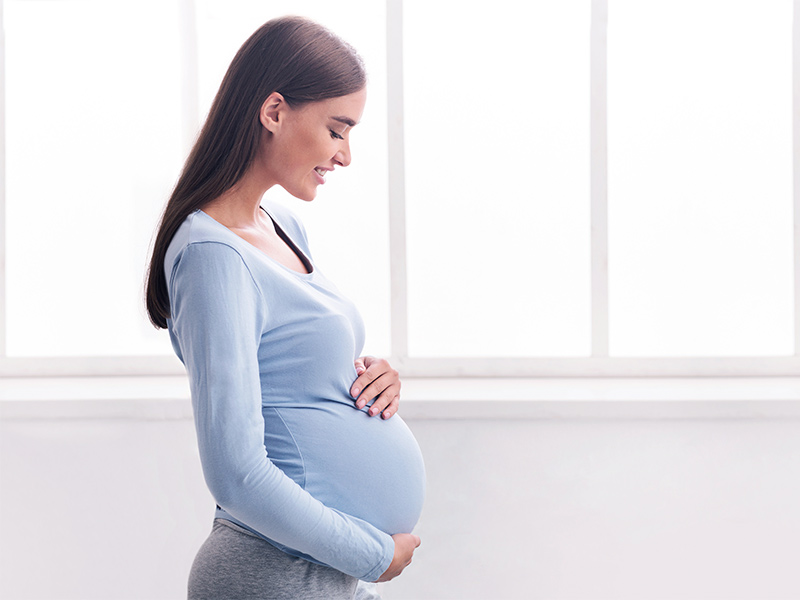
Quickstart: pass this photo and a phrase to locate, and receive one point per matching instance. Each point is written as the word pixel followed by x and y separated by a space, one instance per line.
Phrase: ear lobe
pixel 272 112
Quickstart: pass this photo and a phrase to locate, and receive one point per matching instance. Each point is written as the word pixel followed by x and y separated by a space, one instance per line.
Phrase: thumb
pixel 360 368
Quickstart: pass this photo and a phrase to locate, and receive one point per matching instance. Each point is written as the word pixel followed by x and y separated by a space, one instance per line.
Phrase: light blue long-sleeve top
pixel 269 353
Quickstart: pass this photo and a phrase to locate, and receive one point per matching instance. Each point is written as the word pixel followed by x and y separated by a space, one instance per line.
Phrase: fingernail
pixel 360 404
pixel 355 392
pixel 373 411
pixel 387 414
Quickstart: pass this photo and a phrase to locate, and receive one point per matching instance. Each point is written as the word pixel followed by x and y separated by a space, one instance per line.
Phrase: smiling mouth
pixel 320 172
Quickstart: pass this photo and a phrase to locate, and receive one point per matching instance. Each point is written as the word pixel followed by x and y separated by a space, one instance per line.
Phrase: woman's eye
pixel 335 135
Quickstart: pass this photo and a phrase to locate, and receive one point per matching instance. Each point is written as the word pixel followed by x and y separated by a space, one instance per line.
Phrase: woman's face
pixel 310 140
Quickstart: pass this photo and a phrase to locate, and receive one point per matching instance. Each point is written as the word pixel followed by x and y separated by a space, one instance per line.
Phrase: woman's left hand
pixel 376 379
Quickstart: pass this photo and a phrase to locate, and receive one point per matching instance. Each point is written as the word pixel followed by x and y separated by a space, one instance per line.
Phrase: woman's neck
pixel 240 206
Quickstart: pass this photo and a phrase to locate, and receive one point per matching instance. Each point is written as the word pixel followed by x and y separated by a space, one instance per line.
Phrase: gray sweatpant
pixel 234 564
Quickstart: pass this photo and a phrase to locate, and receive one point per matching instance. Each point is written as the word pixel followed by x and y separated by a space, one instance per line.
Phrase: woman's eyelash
pixel 335 135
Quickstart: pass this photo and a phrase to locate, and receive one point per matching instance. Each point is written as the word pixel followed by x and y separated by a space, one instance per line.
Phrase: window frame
pixel 599 364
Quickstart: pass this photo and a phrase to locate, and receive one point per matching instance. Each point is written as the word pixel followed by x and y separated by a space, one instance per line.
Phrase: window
pixel 93 140
pixel 700 179
pixel 497 179
pixel 591 187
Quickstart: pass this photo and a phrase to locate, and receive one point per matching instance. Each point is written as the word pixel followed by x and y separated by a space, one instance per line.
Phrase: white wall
pixel 109 503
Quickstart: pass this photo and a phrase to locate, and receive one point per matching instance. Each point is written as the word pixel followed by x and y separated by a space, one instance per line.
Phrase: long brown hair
pixel 300 59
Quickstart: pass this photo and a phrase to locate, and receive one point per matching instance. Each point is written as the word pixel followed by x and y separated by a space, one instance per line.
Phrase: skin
pixel 295 142
pixel 404 546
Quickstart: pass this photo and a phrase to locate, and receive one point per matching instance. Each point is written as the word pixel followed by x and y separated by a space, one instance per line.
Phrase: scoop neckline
pixel 286 239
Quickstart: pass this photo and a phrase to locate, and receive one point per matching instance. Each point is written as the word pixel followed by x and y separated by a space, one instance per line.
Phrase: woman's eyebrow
pixel 346 120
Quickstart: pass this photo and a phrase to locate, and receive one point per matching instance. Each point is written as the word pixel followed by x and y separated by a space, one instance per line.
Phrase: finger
pixel 386 393
pixel 386 404
pixel 360 383
pixel 359 363
pixel 371 375
pixel 383 401
pixel 372 391
pixel 390 410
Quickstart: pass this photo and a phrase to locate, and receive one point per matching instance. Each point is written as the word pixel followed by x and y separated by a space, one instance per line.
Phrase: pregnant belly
pixel 364 466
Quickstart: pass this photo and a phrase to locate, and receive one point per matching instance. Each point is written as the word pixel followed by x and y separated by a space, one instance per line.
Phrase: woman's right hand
pixel 404 546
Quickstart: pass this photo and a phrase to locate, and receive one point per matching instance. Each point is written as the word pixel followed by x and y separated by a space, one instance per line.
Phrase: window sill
pixel 167 397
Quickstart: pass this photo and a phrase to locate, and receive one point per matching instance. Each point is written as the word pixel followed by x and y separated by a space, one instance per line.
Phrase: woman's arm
pixel 218 313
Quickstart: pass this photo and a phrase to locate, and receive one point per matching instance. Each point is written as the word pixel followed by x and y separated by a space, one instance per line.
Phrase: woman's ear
pixel 273 111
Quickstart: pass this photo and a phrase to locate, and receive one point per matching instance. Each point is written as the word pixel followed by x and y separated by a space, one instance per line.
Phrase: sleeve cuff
pixel 386 560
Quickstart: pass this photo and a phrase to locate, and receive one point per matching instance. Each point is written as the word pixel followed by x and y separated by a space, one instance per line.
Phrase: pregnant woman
pixel 317 484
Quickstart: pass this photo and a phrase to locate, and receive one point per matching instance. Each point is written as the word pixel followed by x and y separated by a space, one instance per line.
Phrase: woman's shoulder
pixel 199 229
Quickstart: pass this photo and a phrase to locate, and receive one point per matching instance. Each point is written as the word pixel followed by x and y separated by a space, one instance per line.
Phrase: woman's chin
pixel 305 195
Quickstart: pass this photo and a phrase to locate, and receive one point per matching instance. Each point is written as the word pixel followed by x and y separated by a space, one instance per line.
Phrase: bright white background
pixel 497 178
pixel 537 488
pixel 96 141
pixel 700 178
pixel 496 168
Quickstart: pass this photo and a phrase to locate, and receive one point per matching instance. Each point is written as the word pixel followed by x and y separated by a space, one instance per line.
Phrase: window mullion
pixel 396 180
pixel 2 183
pixel 599 177
pixel 796 167
pixel 189 71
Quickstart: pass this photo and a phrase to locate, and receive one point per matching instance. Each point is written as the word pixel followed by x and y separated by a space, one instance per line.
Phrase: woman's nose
pixel 343 156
